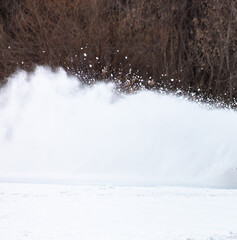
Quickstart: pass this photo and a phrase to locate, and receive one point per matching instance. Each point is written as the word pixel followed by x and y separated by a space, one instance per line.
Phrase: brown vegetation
pixel 188 45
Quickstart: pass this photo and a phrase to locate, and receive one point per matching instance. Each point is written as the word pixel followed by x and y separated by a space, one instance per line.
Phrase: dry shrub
pixel 188 45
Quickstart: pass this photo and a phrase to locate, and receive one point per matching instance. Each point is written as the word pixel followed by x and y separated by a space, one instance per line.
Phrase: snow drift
pixel 53 129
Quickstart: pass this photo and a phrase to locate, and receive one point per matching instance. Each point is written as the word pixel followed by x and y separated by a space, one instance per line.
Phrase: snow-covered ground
pixel 64 212
pixel 117 152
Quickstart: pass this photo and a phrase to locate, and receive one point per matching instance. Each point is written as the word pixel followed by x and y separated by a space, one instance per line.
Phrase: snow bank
pixel 52 129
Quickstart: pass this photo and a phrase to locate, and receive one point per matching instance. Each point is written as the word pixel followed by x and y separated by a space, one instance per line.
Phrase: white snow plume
pixel 52 129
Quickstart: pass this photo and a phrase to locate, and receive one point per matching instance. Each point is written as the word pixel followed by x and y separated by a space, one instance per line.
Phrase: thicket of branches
pixel 188 45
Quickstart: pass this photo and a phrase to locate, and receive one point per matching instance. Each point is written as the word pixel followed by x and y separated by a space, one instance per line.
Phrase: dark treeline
pixel 188 45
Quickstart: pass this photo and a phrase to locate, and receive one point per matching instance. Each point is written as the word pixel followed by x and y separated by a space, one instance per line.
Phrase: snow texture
pixel 55 130
pixel 63 212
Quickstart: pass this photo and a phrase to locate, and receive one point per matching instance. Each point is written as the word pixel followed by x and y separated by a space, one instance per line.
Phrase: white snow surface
pixel 55 130
pixel 63 212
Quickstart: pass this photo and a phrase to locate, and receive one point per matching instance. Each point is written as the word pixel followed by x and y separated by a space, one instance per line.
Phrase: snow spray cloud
pixel 52 129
